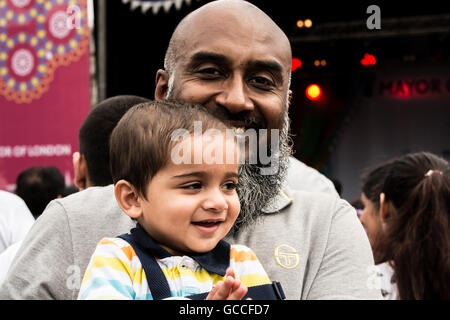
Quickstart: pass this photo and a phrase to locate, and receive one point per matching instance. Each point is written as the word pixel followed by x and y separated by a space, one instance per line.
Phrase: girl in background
pixel 407 218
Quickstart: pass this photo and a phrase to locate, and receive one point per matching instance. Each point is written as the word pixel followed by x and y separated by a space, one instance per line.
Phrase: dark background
pixel 136 41
pixel 136 44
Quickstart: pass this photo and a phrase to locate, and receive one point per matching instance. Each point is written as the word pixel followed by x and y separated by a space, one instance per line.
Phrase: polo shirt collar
pixel 215 261
pixel 281 201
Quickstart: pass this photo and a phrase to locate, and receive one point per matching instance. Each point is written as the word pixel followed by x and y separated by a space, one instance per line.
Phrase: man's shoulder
pixel 307 202
pixel 302 177
pixel 91 194
pixel 94 209
pixel 312 210
pixel 312 199
pixel 85 201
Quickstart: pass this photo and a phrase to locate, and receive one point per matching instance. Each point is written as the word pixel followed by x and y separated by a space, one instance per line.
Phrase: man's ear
pixel 81 178
pixel 384 208
pixel 162 85
pixel 128 199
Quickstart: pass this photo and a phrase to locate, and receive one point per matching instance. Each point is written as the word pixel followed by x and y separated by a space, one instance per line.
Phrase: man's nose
pixel 234 96
pixel 215 201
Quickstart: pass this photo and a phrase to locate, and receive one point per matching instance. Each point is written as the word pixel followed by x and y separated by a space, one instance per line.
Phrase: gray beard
pixel 256 191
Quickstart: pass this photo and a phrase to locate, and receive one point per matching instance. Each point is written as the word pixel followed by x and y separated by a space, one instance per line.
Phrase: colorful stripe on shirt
pixel 115 272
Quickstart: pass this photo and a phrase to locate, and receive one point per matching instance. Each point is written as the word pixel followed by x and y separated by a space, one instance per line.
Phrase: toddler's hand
pixel 229 289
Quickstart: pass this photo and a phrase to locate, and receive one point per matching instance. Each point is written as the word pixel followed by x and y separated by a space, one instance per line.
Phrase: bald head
pixel 237 17
pixel 229 55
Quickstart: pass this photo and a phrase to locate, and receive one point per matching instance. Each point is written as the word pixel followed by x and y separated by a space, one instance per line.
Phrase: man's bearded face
pixel 241 72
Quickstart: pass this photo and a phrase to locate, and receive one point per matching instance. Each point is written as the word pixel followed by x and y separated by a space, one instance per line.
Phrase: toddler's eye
pixel 192 186
pixel 230 186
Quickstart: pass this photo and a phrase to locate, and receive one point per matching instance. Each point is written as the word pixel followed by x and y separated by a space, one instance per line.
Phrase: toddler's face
pixel 189 206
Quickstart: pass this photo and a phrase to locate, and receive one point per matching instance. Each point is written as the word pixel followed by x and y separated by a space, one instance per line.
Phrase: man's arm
pixel 40 268
pixel 346 265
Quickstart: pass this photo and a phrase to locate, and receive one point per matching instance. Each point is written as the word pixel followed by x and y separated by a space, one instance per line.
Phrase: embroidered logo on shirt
pixel 286 256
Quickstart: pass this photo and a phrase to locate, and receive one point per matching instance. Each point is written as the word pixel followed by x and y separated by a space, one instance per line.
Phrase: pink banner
pixel 44 84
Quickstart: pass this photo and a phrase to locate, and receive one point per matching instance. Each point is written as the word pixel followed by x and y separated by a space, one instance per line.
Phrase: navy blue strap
pixel 159 287
pixel 272 291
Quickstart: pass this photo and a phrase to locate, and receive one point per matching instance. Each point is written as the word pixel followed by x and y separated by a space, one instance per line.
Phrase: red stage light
pixel 296 63
pixel 368 60
pixel 313 92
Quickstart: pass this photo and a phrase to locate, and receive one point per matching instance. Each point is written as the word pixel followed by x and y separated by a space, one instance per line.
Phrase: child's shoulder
pixel 115 246
pixel 247 266
pixel 117 242
pixel 241 253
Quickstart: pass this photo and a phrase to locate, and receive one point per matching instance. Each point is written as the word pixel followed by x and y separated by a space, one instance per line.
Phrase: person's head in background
pixel 407 218
pixel 91 164
pixel 240 69
pixel 37 186
pixel 70 189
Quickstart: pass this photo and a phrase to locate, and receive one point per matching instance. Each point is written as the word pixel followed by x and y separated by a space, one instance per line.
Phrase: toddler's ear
pixel 128 199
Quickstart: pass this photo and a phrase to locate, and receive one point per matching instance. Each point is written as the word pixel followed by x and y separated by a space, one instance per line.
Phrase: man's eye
pixel 210 71
pixel 262 82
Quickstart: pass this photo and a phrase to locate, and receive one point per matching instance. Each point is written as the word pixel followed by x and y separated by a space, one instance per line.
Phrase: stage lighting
pixel 296 63
pixel 308 23
pixel 368 60
pixel 304 23
pixel 319 63
pixel 313 92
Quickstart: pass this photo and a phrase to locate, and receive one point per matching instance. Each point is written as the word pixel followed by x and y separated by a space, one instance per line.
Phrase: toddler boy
pixel 180 186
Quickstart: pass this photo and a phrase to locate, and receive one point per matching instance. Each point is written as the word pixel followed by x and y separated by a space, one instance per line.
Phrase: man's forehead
pixel 216 30
pixel 215 45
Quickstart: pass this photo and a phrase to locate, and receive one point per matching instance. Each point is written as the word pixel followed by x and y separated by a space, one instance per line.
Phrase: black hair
pixel 140 144
pixel 70 189
pixel 416 239
pixel 337 185
pixel 95 132
pixel 37 186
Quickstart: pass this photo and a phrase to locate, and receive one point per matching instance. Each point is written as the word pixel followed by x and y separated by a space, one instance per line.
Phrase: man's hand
pixel 229 289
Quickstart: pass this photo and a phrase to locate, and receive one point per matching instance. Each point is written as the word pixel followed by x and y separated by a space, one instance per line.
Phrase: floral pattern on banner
pixel 37 37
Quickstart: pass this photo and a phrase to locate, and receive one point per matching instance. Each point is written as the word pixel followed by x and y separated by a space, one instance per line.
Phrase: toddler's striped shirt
pixel 115 272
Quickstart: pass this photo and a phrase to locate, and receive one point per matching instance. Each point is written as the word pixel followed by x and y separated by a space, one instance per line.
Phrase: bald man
pixel 240 69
